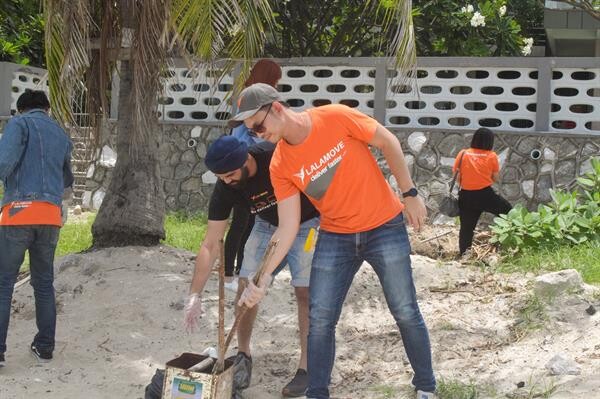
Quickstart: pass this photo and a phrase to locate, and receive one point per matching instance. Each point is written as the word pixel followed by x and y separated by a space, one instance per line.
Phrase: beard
pixel 243 181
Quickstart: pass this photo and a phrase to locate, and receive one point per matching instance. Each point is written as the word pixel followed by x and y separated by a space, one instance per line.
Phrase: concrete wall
pixel 556 163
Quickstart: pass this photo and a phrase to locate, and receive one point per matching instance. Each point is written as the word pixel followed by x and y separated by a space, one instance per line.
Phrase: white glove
pixel 192 312
pixel 253 294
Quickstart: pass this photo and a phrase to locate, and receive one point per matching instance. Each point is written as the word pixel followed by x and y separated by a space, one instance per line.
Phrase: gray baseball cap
pixel 251 100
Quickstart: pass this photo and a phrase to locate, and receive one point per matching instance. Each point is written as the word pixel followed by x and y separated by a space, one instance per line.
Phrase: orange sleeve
pixel 282 186
pixel 359 125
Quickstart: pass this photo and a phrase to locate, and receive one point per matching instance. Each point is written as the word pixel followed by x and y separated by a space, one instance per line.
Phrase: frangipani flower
pixel 478 20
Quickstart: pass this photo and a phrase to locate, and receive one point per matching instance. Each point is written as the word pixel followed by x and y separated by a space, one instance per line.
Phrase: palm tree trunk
pixel 132 212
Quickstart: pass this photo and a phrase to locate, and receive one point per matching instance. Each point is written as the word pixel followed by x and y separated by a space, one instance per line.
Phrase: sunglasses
pixel 255 130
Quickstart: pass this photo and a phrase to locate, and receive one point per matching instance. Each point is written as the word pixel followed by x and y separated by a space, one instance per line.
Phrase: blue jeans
pixel 41 242
pixel 337 259
pixel 298 258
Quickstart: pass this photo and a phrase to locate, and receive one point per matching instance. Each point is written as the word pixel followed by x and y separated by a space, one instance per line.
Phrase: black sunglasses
pixel 255 130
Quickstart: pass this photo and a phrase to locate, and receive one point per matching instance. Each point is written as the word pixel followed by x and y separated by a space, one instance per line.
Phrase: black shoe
pixel 2 363
pixel 297 386
pixel 242 373
pixel 42 356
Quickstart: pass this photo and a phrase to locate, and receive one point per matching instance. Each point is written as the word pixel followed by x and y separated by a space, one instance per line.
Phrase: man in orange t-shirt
pixel 35 167
pixel 324 153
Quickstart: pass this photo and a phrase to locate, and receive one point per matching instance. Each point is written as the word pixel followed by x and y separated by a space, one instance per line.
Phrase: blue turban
pixel 226 154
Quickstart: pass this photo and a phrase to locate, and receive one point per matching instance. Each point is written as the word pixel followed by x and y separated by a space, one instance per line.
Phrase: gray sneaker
pixel 426 395
pixel 242 373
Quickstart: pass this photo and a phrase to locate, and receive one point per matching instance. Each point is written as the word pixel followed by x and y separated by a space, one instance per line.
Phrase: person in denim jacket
pixel 35 167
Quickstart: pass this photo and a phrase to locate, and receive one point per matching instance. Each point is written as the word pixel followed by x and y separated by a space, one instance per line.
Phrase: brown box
pixel 180 383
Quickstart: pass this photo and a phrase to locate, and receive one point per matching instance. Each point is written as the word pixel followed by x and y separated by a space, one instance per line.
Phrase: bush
pixel 570 218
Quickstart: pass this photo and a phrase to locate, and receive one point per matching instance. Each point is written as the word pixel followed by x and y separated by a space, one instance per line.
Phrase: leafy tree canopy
pixel 22 32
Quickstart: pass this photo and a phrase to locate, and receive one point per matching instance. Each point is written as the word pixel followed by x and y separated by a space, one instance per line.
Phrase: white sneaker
pixel 425 395
pixel 232 285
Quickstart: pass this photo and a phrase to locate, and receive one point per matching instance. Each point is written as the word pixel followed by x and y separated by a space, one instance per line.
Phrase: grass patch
pixel 185 231
pixel 385 391
pixel 454 389
pixel 531 316
pixel 583 258
pixel 75 236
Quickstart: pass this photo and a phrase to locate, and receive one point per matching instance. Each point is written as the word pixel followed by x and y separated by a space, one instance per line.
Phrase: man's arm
pixel 208 252
pixel 389 145
pixel 12 146
pixel 288 211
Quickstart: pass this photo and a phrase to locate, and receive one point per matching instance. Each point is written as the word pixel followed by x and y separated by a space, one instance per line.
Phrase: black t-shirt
pixel 258 195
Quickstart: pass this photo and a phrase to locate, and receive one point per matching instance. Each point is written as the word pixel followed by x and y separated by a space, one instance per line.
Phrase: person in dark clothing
pixel 477 172
pixel 244 180
pixel 269 72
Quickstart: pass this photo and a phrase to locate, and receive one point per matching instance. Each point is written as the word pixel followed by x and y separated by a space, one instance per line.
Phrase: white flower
pixel 463 10
pixel 528 41
pixel 526 50
pixel 502 11
pixel 477 20
pixel 470 8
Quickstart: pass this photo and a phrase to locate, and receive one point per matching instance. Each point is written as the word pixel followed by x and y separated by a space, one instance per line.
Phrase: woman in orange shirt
pixel 477 170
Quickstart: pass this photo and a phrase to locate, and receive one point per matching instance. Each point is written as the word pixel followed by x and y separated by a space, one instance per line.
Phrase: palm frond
pixel 397 18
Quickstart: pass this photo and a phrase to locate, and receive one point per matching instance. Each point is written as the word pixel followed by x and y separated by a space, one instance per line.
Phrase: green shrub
pixel 570 218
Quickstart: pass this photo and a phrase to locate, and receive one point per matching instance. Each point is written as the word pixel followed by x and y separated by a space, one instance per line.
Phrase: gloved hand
pixel 253 294
pixel 192 311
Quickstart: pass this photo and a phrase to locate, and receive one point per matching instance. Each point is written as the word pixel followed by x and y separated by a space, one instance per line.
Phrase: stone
pixel 566 149
pixel 416 141
pixel 77 210
pixel 450 145
pixel 189 156
pixel 196 202
pixel 527 144
pixel 546 167
pixel 510 174
pixel 527 187
pixel 97 199
pixel 549 155
pixel 209 178
pixel 586 167
pixel 182 171
pixel 196 132
pixel 561 364
pixel 182 200
pixel 170 186
pixel 529 169
pixel 192 184
pixel 556 283
pixel 108 158
pixel 544 184
pixel 100 175
pixel 427 159
pixel 171 202
pixel 564 172
pixel 90 171
pixel 201 150
pixel 90 267
pixel 503 156
pixel 590 149
pixel 86 200
pixel 511 191
pixel 447 161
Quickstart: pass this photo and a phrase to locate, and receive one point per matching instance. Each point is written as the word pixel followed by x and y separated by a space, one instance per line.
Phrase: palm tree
pixel 87 39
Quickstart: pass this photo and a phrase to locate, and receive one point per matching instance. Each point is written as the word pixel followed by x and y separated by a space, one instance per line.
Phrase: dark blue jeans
pixel 337 259
pixel 41 242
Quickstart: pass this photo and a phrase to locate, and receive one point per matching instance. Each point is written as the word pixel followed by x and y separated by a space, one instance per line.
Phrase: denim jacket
pixel 35 159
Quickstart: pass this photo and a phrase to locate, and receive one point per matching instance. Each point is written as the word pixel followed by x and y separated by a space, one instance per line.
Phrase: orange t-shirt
pixel 476 168
pixel 22 213
pixel 334 167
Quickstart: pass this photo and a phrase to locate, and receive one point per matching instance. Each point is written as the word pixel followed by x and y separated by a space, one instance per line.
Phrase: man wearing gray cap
pixel 324 153
pixel 244 181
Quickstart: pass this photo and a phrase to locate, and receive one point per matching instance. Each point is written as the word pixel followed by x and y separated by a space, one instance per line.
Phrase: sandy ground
pixel 120 318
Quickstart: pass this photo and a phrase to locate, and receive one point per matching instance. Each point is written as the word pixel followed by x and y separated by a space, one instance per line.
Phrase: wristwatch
pixel 410 193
